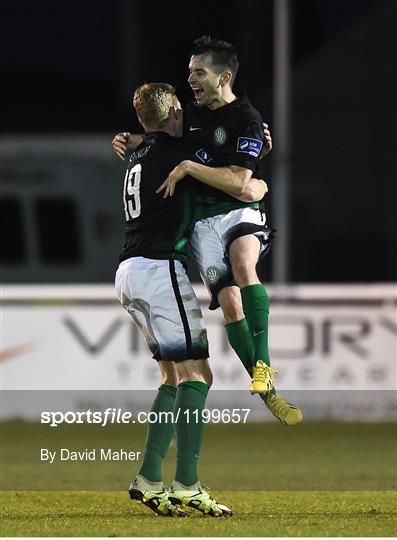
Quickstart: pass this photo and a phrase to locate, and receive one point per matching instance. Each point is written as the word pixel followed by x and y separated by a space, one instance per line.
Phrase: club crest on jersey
pixel 249 146
pixel 203 155
pixel 220 135
pixel 203 340
pixel 213 274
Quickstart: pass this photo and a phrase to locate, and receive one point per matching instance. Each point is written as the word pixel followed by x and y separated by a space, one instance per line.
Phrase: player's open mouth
pixel 198 92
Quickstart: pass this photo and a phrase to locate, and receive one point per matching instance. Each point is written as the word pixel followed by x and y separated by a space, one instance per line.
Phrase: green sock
pixel 189 427
pixel 240 339
pixel 256 310
pixel 239 336
pixel 159 435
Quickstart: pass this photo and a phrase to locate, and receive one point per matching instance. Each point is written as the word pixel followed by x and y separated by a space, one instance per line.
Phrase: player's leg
pixel 209 251
pixel 133 292
pixel 178 327
pixel 147 486
pixel 243 255
pixel 209 255
pixel 246 237
pixel 241 340
pixel 159 434
pixel 195 379
pixel 237 329
pixel 209 247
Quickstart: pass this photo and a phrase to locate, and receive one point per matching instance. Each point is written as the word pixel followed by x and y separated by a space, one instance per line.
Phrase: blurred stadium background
pixel 68 74
pixel 325 83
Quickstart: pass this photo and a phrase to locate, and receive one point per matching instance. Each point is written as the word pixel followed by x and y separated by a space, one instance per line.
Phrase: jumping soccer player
pixel 229 235
pixel 152 285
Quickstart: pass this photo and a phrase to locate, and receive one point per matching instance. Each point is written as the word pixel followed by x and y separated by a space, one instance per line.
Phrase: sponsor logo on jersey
pixel 220 135
pixel 203 155
pixel 213 274
pixel 249 146
pixel 194 128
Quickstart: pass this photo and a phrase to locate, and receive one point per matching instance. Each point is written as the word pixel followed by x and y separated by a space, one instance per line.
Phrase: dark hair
pixel 221 53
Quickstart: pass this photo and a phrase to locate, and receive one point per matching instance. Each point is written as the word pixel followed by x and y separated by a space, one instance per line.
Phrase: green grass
pixel 319 456
pixel 256 514
pixel 320 479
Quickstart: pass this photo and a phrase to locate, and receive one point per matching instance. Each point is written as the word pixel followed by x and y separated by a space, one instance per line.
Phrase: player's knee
pixel 171 379
pixel 204 377
pixel 208 377
pixel 230 301
pixel 205 372
pixel 244 272
pixel 169 373
pixel 195 370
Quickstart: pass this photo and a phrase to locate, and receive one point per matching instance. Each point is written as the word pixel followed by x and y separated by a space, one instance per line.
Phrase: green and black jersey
pixel 158 228
pixel 233 135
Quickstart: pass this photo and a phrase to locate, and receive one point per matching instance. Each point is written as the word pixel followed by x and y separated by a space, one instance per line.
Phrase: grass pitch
pixel 320 479
pixel 256 514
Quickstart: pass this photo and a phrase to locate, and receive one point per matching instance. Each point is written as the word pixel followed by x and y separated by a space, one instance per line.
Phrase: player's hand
pixel 267 142
pixel 175 176
pixel 120 144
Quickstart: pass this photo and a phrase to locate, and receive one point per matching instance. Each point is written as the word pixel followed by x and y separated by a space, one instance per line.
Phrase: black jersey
pixel 157 228
pixel 233 135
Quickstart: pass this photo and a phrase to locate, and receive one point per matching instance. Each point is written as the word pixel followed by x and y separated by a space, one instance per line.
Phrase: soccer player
pixel 229 235
pixel 152 285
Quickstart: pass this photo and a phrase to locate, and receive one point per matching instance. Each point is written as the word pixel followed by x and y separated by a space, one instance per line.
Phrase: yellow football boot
pixel 288 414
pixel 197 497
pixel 262 378
pixel 154 496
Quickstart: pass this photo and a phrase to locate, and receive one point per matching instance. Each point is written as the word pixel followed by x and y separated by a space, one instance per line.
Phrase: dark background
pixel 71 68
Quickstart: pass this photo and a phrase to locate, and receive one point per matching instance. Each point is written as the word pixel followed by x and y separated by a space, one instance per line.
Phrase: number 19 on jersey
pixel 132 201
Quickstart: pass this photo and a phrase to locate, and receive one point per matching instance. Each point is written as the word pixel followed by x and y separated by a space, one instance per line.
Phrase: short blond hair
pixel 152 102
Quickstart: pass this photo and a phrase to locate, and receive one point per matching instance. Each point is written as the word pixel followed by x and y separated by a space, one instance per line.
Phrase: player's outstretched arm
pixel 254 192
pixel 126 141
pixel 232 180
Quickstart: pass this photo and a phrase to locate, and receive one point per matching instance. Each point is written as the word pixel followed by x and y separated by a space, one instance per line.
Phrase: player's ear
pixel 140 121
pixel 178 113
pixel 225 78
pixel 175 112
pixel 172 112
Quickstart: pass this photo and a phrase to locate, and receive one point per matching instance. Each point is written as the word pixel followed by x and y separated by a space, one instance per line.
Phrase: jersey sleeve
pixel 246 144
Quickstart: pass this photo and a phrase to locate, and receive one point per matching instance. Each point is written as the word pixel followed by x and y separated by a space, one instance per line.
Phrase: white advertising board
pixel 79 338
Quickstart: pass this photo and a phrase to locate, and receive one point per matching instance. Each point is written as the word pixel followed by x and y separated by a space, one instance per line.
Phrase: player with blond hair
pixel 152 285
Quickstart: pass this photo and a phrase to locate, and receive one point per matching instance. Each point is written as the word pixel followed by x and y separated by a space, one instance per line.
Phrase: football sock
pixel 239 336
pixel 256 310
pixel 240 339
pixel 159 435
pixel 189 427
